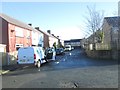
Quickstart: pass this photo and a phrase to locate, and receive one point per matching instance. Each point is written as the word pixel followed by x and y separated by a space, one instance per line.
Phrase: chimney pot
pixel 52 34
pixel 37 28
pixel 49 31
pixel 30 24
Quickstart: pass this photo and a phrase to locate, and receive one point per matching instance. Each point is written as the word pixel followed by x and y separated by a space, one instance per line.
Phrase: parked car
pixel 31 55
pixel 68 48
pixel 50 54
pixel 72 48
pixel 59 51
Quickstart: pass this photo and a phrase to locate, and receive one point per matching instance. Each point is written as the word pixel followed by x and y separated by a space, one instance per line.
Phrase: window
pixel 12 33
pixel 40 45
pixel 19 32
pixel 18 46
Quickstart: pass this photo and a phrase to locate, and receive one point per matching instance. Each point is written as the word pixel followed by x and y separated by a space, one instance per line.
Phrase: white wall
pixel 52 40
pixel 37 38
pixel 40 39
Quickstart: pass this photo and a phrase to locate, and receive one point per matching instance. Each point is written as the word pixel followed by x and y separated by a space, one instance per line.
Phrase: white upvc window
pixel 18 46
pixel 19 32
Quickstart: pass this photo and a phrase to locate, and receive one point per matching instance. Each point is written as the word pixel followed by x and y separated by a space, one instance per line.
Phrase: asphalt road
pixel 71 70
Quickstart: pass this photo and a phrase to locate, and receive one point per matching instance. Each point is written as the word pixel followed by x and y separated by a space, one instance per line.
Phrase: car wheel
pixel 38 64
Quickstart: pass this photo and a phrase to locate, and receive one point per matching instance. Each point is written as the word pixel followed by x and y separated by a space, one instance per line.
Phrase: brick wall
pixel 99 54
pixel 46 41
pixel 4 32
pixel 13 39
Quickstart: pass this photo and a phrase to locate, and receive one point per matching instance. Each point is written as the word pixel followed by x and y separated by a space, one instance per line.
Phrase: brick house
pixel 15 34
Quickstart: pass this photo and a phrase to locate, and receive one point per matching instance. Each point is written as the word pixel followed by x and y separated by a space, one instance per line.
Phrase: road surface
pixel 71 70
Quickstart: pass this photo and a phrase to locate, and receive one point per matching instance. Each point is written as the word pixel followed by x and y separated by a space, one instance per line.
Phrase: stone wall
pixel 12 58
pixel 99 54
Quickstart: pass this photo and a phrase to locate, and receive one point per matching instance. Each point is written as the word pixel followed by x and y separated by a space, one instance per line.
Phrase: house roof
pixel 66 41
pixel 19 23
pixel 75 40
pixel 15 21
pixel 43 32
pixel 50 35
pixel 22 24
pixel 72 40
pixel 114 21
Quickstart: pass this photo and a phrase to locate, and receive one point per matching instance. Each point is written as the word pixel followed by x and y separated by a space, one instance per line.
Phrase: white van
pixel 68 48
pixel 31 55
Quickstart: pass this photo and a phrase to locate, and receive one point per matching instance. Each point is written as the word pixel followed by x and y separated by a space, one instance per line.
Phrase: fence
pixel 99 54
pixel 12 57
pixel 103 51
pixel 3 55
pixel 7 58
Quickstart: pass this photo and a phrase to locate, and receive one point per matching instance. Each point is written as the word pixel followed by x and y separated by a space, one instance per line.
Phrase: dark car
pixel 50 53
pixel 59 51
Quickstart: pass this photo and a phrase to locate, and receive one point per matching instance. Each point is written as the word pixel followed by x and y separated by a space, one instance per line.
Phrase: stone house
pixel 111 31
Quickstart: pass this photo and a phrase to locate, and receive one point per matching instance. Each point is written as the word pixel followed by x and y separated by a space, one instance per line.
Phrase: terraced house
pixel 15 34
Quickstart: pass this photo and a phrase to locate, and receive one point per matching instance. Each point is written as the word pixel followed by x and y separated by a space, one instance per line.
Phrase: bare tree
pixel 94 21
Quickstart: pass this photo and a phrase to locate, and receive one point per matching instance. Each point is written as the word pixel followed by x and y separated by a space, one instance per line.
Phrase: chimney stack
pixel 49 31
pixel 30 24
pixel 57 36
pixel 53 35
pixel 37 28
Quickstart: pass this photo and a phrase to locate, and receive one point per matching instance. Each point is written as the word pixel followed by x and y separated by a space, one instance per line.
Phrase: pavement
pixel 8 68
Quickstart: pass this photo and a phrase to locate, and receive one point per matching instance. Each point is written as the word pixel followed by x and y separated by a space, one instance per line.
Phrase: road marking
pixel 5 72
